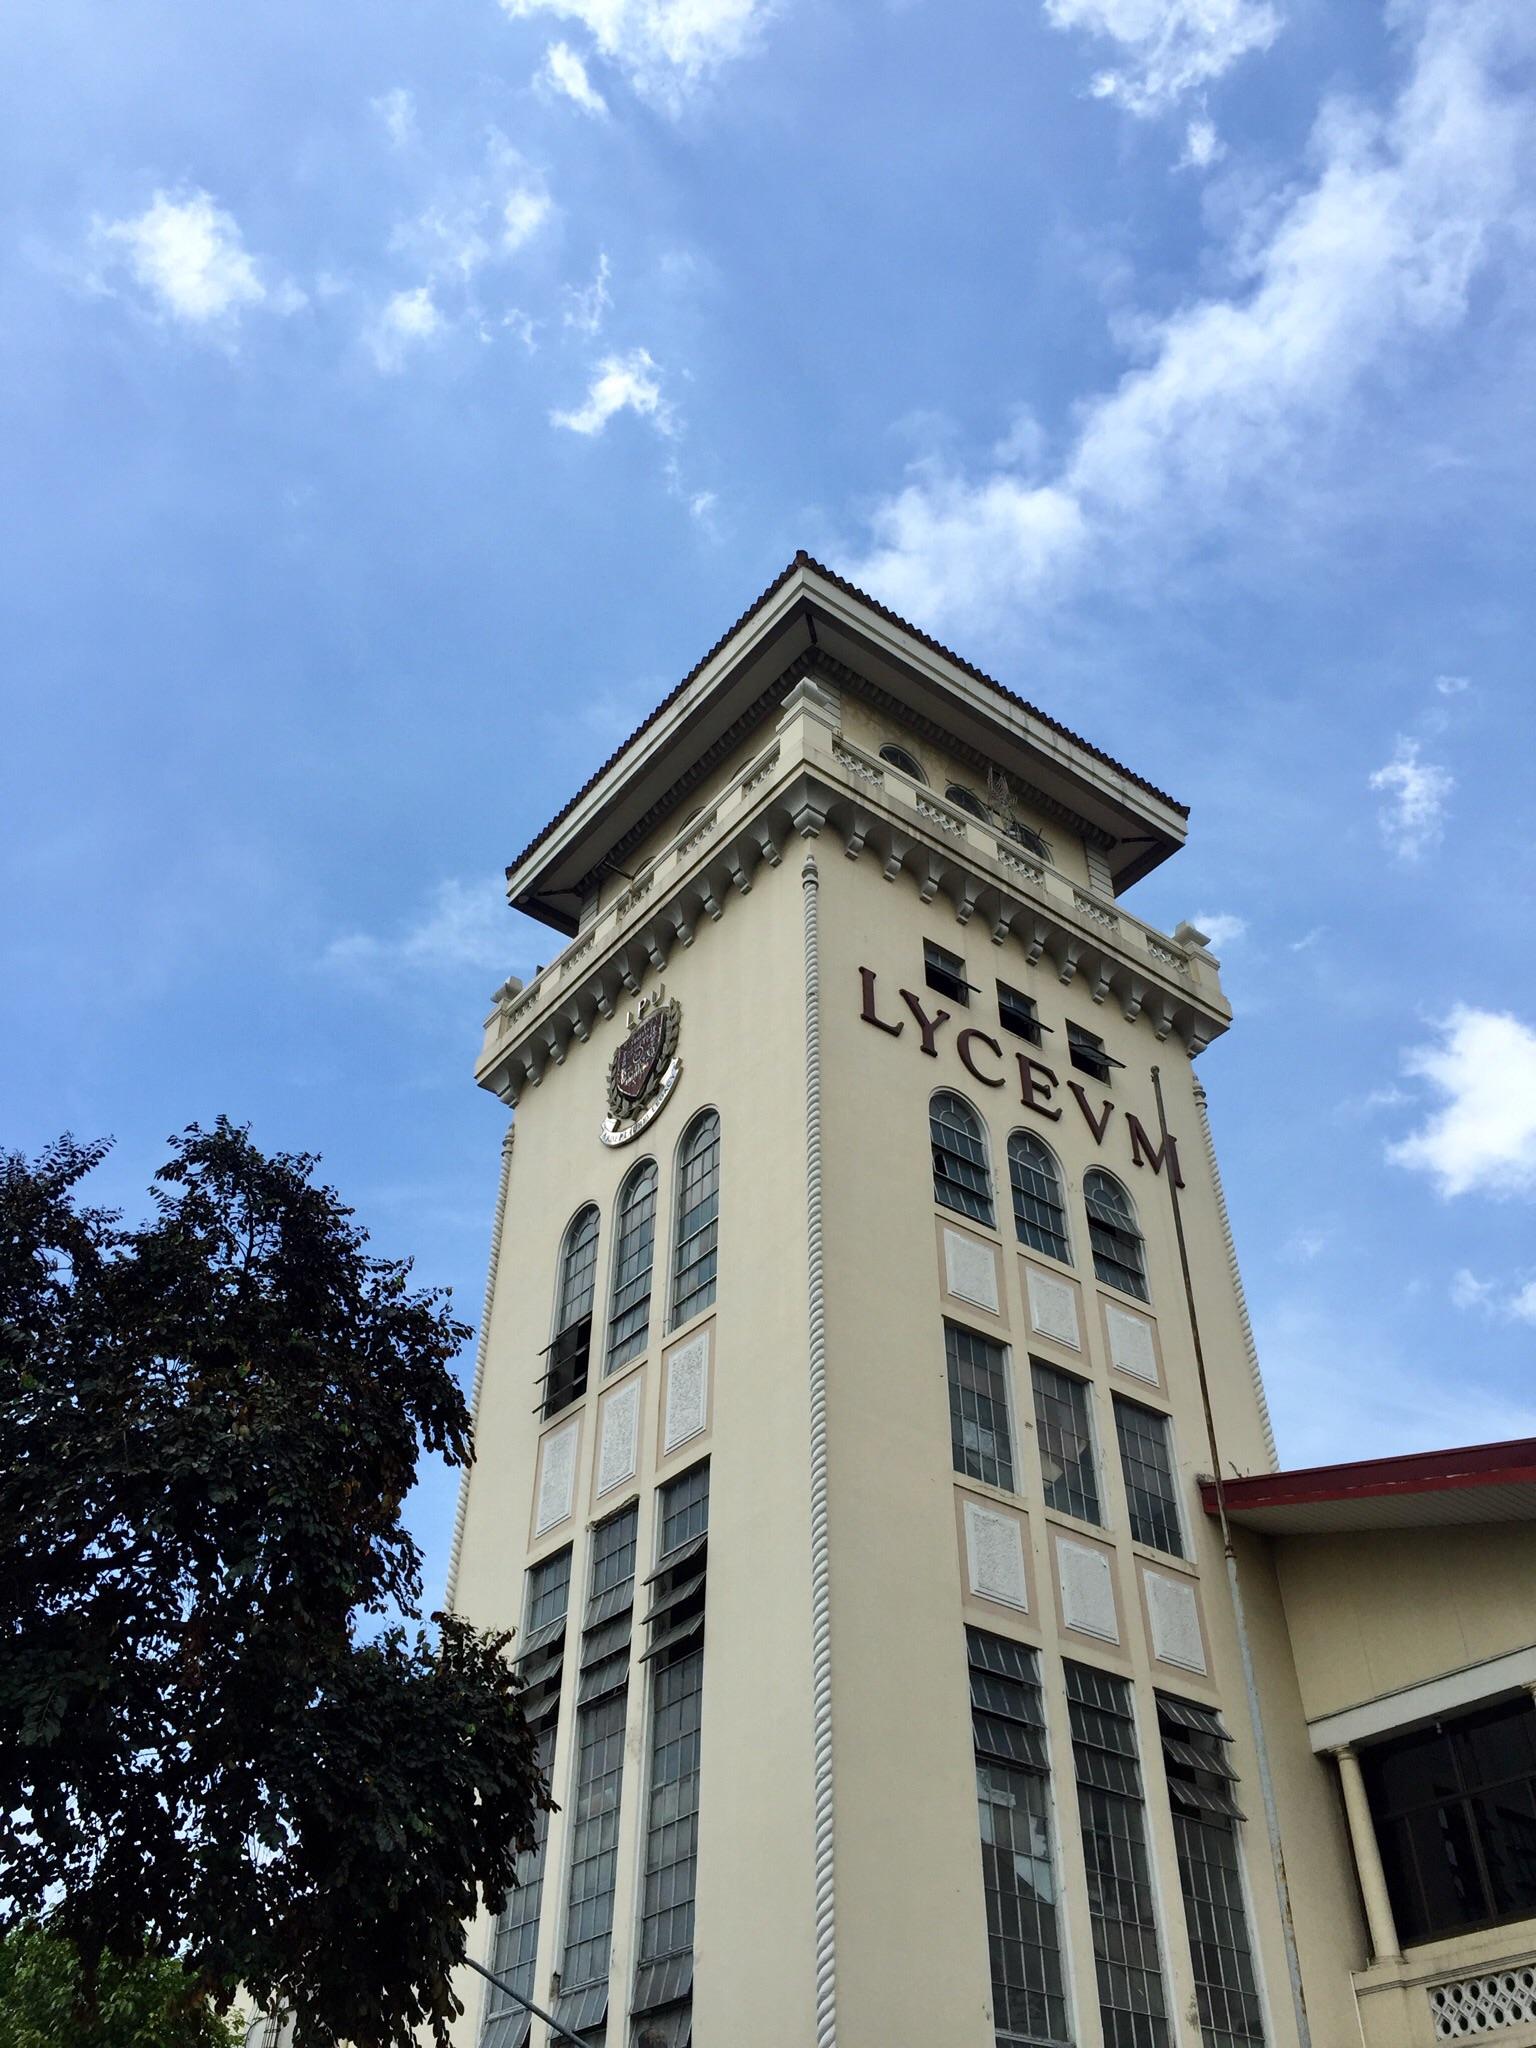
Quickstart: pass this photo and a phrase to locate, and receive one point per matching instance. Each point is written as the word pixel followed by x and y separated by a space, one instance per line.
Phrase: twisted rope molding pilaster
pixel 481 1344
pixel 821 1567
pixel 1250 1348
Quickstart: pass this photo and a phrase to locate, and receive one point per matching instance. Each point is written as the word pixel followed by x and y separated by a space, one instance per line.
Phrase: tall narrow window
pixel 634 1251
pixel 1039 1213
pixel 601 1699
pixel 664 1977
pixel 1013 1793
pixel 1146 1460
pixel 1066 1443
pixel 1119 1256
pixel 540 1661
pixel 695 1254
pixel 516 1941
pixel 1132 2005
pixel 962 1179
pixel 1201 1787
pixel 978 1406
pixel 565 1372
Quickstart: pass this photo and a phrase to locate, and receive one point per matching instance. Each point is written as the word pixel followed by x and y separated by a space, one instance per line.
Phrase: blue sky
pixel 395 400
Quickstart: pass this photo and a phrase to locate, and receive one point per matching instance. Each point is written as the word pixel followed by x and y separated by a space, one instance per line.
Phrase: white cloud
pixel 565 73
pixel 665 47
pixel 586 306
pixel 1417 792
pixel 628 383
pixel 407 320
pixel 397 110
pixel 1219 926
pixel 1452 686
pixel 525 212
pixel 189 255
pixel 1202 146
pixel 1482 1139
pixel 1308 939
pixel 1493 1298
pixel 1169 47
pixel 1379 247
pixel 491 213
pixel 465 926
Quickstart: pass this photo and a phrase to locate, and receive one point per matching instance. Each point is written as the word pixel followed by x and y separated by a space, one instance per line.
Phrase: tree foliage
pixel 222 1736
pixel 47 1998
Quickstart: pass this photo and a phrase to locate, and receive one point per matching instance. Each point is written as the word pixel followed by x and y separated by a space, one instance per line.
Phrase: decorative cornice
pixel 809 779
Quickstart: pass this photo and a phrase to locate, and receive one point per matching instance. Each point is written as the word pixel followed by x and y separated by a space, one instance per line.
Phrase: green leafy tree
pixel 224 1736
pixel 47 1999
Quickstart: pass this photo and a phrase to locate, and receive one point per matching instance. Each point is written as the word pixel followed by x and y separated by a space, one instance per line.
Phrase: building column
pixel 1373 1879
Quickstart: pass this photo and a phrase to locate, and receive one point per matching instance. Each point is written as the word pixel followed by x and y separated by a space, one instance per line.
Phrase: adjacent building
pixel 863 1331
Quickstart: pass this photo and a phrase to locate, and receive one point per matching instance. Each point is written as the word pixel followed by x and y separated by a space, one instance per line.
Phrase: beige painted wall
pixel 1385 1608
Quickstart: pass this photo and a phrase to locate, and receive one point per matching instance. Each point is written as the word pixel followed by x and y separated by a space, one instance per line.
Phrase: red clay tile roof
pixel 804 561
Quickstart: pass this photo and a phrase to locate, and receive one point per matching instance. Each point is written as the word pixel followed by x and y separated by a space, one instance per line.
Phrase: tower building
pixel 863 1320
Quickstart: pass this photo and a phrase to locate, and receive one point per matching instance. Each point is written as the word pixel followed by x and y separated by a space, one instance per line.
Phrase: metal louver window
pixel 541 1651
pixel 980 1439
pixel 1119 1256
pixel 1201 1790
pixel 516 1939
pixel 1066 1442
pixel 629 1314
pixel 961 1178
pixel 564 1379
pixel 1132 2002
pixel 1086 1052
pixel 1029 2003
pixel 675 1653
pixel 695 1256
pixel 1146 1461
pixel 602 1700
pixel 944 973
pixel 1019 1013
pixel 1039 1212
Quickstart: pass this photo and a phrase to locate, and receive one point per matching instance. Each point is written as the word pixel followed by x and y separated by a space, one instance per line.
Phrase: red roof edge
pixel 1370 1478
pixel 804 561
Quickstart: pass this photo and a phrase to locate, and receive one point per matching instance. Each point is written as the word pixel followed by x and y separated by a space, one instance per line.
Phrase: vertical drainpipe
pixel 1250 1684
pixel 821 1569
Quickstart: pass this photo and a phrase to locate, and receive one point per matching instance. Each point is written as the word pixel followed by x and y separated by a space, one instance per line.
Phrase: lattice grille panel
pixel 1473 2006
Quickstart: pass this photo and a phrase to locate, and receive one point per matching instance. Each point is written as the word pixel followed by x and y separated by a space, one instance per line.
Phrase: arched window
pixel 907 763
pixel 695 1251
pixel 634 1249
pixel 1028 838
pixel 1119 1256
pixel 962 1179
pixel 967 800
pixel 565 1373
pixel 1039 1213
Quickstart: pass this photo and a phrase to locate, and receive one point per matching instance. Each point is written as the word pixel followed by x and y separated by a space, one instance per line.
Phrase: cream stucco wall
pixel 1377 1610
pixel 908 1934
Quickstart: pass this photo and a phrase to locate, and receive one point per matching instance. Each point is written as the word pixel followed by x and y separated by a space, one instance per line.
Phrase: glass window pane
pixel 978 1407
pixel 698 1220
pixel 1066 1443
pixel 629 1315
pixel 962 1180
pixel 1226 1990
pixel 1039 1213
pixel 1146 1460
pixel 1118 1254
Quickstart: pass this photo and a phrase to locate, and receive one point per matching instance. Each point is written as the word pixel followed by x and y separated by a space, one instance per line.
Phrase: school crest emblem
pixel 644 1069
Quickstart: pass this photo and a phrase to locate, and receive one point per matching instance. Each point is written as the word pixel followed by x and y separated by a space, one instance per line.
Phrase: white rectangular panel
pixel 1087 1591
pixel 1053 1307
pixel 970 1269
pixel 557 1476
pixel 994 1555
pixel 687 1392
pixel 1174 1614
pixel 618 1448
pixel 1130 1344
